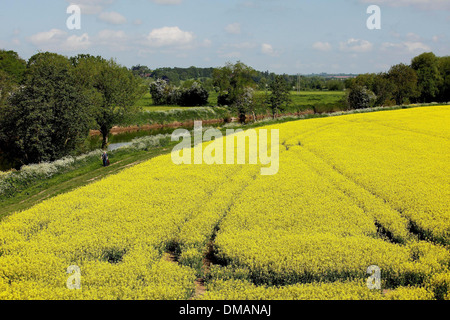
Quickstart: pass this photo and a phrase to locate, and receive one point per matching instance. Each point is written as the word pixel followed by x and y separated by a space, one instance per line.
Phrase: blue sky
pixel 282 36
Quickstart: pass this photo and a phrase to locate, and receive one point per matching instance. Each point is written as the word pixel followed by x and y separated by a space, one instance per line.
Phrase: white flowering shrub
pixel 166 94
pixel 10 180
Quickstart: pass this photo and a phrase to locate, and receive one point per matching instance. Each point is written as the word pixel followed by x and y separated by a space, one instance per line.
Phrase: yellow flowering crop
pixel 339 290
pixel 351 191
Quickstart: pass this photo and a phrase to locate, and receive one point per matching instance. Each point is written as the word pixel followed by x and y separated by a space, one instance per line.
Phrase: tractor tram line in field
pixel 353 192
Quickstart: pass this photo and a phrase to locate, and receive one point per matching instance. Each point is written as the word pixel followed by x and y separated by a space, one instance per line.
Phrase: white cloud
pixel 52 36
pixel 234 28
pixel 112 17
pixel 420 4
pixel 268 49
pixel 169 36
pixel 356 45
pixel 406 46
pixel 322 46
pixel 58 40
pixel 74 43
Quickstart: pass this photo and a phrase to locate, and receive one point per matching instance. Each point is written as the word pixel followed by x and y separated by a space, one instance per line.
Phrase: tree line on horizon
pixel 177 76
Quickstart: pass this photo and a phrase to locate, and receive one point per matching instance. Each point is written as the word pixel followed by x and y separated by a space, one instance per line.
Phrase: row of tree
pixel 427 76
pixel 426 79
pixel 48 107
pixel 177 76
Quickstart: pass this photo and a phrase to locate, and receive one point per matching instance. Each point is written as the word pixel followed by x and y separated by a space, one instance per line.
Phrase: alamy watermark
pixel 74 281
pixel 234 147
pixel 74 20
pixel 374 21
pixel 374 281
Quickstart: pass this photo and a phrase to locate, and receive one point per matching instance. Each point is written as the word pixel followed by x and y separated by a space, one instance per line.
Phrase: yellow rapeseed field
pixel 351 191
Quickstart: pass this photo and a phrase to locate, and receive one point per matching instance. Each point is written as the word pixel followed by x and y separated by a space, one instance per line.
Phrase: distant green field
pixel 147 103
pixel 323 101
pixel 320 101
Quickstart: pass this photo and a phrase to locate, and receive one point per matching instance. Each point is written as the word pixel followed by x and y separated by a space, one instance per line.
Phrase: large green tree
pixel 47 118
pixel 429 78
pixel 6 86
pixel 279 97
pixel 231 82
pixel 234 84
pixel 444 68
pixel 404 83
pixel 13 65
pixel 111 89
pixel 12 69
pixel 382 88
pixel 360 97
pixel 363 80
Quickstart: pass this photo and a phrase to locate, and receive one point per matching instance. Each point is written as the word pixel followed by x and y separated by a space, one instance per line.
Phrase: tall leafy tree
pixel 382 88
pixel 363 80
pixel 444 68
pixel 13 65
pixel 111 89
pixel 6 86
pixel 360 97
pixel 404 83
pixel 235 84
pixel 12 69
pixel 279 96
pixel 335 85
pixel 194 95
pixel 231 82
pixel 47 118
pixel 245 104
pixel 429 78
